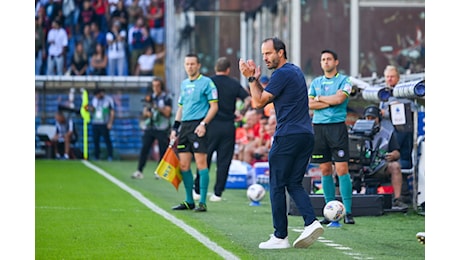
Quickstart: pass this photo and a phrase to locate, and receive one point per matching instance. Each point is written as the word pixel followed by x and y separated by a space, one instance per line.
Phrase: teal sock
pixel 328 187
pixel 346 191
pixel 187 178
pixel 204 183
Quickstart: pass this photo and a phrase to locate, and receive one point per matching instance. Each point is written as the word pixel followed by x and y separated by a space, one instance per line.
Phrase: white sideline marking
pixel 345 250
pixel 190 230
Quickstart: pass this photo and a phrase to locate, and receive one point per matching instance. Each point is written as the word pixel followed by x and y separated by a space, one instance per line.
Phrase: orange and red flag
pixel 168 168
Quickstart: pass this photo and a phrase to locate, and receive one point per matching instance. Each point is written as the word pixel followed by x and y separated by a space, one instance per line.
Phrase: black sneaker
pixel 184 206
pixel 348 219
pixel 201 208
pixel 324 221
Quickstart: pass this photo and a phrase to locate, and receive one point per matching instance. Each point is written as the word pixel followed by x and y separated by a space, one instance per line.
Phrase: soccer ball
pixel 334 210
pixel 255 192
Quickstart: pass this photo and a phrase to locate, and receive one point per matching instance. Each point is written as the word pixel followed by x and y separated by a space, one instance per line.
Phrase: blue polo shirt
pixel 195 96
pixel 287 85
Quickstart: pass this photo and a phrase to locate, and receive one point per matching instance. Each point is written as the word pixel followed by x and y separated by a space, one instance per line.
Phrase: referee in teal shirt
pixel 328 96
pixel 197 106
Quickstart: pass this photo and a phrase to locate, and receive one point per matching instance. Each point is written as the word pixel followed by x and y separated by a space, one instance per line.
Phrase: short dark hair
pixel 277 44
pixel 191 55
pixel 222 64
pixel 331 52
pixel 162 83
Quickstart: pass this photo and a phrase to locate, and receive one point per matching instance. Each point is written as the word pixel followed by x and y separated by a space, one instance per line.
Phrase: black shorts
pixel 189 141
pixel 331 143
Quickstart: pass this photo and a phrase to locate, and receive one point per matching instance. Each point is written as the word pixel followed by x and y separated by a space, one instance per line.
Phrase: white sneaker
pixel 275 243
pixel 137 175
pixel 157 176
pixel 309 235
pixel 215 198
pixel 196 196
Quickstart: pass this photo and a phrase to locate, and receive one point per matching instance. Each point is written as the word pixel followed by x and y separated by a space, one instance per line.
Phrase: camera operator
pixel 386 161
pixel 157 113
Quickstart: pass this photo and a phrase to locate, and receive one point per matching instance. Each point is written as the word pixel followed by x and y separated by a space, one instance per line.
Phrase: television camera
pixel 363 156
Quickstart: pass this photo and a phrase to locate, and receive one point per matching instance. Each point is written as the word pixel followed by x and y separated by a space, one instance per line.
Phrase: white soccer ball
pixel 334 210
pixel 255 192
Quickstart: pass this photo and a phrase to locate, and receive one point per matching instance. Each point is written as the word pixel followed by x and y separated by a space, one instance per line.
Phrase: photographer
pixel 157 113
pixel 386 161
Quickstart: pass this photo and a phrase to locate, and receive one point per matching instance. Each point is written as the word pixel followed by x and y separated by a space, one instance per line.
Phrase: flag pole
pixel 86 119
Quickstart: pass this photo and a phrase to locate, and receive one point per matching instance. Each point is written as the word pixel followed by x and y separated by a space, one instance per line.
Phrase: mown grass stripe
pixel 190 230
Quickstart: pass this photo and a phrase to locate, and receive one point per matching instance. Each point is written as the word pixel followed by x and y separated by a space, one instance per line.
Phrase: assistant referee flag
pixel 168 168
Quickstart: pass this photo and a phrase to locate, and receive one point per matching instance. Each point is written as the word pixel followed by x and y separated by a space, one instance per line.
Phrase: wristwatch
pixel 251 79
pixel 203 123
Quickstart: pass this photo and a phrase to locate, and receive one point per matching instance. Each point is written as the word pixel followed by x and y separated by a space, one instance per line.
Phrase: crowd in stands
pixel 254 132
pixel 98 37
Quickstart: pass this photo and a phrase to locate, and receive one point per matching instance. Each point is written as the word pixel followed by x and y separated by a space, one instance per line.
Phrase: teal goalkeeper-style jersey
pixel 322 86
pixel 195 97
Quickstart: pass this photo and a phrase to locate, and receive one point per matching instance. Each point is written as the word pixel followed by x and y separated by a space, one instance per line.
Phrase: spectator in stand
pixel 41 12
pixel 79 63
pixel 102 109
pixel 120 14
pixel 52 9
pixel 112 6
pixel 68 10
pixel 134 13
pixel 64 137
pixel 261 151
pixel 40 46
pixel 89 43
pixel 116 50
pixel 60 17
pixel 156 21
pixel 101 7
pixel 146 62
pixel 86 16
pixel 138 39
pixel 76 14
pixel 40 4
pixel 57 41
pixel 99 61
pixel 252 132
pixel 98 35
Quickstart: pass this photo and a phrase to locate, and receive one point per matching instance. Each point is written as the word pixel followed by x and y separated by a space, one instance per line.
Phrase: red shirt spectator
pixel 86 17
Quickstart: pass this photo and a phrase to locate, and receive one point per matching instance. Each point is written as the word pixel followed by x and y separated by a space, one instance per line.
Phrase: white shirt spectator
pixel 57 39
pixel 146 62
pixel 113 5
pixel 115 49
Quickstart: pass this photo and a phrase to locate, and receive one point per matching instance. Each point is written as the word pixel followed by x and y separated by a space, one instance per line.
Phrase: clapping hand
pixel 249 69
